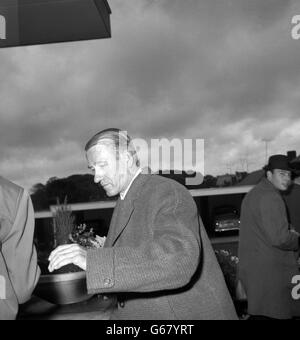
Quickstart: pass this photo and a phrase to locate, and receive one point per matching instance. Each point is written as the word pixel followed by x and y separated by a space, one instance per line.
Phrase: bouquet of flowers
pixel 86 237
pixel 228 264
pixel 66 231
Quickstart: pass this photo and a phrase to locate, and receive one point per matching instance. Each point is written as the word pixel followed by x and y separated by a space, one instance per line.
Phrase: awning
pixel 31 22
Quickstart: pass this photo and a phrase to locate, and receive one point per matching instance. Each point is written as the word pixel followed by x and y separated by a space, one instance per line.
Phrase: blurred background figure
pixel 18 259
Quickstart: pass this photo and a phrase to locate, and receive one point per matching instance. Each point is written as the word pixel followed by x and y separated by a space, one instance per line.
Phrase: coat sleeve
pixel 276 226
pixel 19 252
pixel 167 260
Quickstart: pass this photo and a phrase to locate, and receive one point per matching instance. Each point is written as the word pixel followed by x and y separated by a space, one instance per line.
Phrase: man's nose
pixel 98 176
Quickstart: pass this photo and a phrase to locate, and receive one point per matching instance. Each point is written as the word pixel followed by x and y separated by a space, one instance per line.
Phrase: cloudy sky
pixel 226 71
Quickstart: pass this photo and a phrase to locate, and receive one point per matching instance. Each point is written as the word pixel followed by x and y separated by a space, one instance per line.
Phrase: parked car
pixel 226 218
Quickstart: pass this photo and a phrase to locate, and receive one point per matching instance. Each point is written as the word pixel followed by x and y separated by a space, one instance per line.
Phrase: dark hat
pixel 295 163
pixel 280 162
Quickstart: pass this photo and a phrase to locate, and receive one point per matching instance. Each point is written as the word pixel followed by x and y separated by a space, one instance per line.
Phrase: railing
pixel 111 204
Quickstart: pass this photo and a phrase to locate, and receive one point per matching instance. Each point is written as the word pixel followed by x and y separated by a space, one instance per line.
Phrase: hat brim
pixel 270 168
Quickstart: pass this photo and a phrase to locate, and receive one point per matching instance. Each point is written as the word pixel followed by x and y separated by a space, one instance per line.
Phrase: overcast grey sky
pixel 227 71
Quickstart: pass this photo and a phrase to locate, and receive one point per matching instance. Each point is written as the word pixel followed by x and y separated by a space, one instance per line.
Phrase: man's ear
pixel 269 175
pixel 130 160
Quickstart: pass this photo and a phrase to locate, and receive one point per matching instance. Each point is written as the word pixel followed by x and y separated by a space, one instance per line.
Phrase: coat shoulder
pixel 261 193
pixel 156 183
pixel 158 190
pixel 9 190
pixel 10 194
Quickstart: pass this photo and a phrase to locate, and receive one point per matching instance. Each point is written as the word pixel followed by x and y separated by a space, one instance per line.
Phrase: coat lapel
pixel 113 223
pixel 124 211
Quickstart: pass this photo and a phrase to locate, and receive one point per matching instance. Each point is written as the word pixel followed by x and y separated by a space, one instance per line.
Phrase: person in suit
pixel 157 258
pixel 19 271
pixel 267 245
pixel 292 199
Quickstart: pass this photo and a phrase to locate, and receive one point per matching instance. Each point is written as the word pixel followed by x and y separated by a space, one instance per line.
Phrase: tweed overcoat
pixel 158 259
pixel 19 271
pixel 267 253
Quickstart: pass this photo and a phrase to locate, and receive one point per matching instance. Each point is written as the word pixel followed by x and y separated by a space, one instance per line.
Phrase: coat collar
pixel 267 185
pixel 124 209
pixel 135 188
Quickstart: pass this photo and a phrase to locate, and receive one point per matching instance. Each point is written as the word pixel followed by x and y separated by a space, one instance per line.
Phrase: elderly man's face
pixel 111 173
pixel 281 179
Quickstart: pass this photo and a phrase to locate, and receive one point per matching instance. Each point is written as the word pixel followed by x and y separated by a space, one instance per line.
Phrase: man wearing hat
pixel 267 245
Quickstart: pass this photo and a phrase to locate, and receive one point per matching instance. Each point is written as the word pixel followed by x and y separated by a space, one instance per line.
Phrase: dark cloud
pixel 229 13
pixel 224 70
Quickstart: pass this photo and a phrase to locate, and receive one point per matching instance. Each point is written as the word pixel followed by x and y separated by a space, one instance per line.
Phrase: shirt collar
pixel 124 193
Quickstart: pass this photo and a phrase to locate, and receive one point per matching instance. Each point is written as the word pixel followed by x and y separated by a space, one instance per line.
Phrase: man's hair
pixel 116 138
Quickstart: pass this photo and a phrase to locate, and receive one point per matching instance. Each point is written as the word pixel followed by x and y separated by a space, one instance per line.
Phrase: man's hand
pixel 70 253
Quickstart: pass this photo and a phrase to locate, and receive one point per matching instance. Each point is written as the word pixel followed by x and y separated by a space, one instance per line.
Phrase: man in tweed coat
pixel 19 271
pixel 268 246
pixel 157 258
